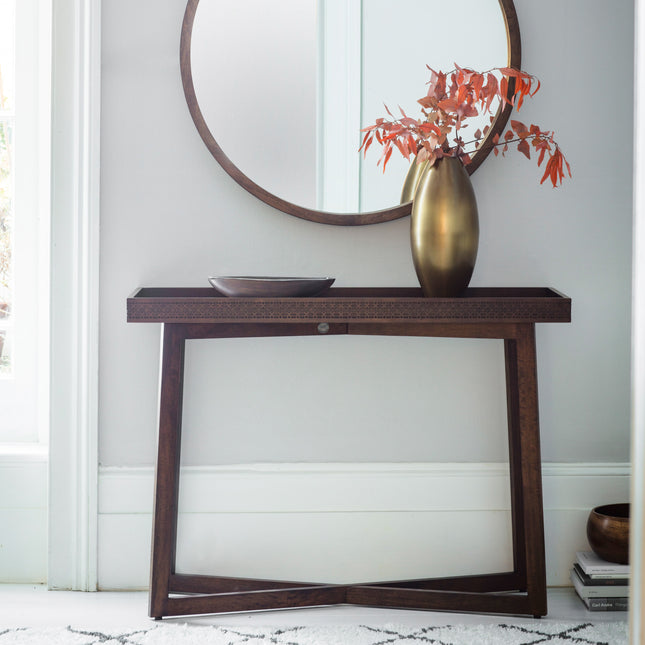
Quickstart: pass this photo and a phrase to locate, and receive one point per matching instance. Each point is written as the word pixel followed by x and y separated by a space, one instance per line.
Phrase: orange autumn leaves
pixel 451 100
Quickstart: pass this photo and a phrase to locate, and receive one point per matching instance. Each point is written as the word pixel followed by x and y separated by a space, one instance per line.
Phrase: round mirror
pixel 280 89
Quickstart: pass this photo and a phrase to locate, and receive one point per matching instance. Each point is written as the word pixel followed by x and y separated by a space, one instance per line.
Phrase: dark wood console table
pixel 509 314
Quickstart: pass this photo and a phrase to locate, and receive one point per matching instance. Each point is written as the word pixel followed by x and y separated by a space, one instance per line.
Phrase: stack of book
pixel 601 585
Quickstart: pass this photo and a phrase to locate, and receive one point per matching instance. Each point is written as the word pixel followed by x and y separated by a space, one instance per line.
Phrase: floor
pixel 34 606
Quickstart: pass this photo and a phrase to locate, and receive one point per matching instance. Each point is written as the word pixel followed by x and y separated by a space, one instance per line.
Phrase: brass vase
pixel 412 180
pixel 444 232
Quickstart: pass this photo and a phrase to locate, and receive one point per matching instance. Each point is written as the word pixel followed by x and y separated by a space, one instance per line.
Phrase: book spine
pixel 610 576
pixel 602 581
pixel 606 604
pixel 593 568
pixel 603 571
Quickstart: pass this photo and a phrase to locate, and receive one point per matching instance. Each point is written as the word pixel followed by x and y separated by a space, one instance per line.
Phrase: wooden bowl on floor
pixel 608 532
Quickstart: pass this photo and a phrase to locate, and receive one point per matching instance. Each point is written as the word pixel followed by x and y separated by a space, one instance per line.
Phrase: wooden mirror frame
pixel 323 217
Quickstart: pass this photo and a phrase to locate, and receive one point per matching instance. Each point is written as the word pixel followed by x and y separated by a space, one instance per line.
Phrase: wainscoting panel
pixel 345 522
pixel 23 519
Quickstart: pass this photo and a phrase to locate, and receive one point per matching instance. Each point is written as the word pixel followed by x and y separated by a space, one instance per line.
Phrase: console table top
pixel 390 305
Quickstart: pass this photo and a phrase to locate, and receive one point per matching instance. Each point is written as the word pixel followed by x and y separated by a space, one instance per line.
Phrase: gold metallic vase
pixel 412 180
pixel 444 232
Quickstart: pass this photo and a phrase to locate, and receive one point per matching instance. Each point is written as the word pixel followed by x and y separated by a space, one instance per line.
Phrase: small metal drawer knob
pixel 323 328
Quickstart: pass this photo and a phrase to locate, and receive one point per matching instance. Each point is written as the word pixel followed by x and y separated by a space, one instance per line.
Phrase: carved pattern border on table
pixel 343 309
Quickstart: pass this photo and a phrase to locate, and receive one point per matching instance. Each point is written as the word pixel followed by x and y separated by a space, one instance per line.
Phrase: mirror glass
pixel 285 86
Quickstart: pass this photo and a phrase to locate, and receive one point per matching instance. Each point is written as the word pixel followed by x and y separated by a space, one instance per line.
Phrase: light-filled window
pixel 7 118
pixel 24 216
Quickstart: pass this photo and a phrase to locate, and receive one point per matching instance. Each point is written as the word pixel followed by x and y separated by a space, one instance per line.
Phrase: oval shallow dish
pixel 269 287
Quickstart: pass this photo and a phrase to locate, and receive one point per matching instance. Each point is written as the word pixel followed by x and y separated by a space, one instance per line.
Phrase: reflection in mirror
pixel 395 72
pixel 285 86
pixel 254 71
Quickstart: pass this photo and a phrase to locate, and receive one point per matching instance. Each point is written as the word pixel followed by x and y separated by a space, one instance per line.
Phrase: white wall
pixel 171 216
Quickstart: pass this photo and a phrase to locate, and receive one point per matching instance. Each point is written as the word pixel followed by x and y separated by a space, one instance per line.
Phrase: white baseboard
pixel 345 522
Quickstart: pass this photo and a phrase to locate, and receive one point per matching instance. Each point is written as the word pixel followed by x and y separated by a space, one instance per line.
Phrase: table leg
pixel 467 593
pixel 164 537
pixel 526 467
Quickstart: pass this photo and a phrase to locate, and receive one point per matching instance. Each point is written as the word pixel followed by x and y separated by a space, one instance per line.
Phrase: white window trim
pixel 72 559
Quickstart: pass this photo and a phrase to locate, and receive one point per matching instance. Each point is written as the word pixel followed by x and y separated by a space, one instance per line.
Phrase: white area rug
pixel 528 633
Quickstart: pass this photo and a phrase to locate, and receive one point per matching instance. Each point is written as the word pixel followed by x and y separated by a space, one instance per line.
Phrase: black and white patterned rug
pixel 527 633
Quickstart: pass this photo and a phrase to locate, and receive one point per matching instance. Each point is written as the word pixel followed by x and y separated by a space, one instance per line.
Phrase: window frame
pixel 73 410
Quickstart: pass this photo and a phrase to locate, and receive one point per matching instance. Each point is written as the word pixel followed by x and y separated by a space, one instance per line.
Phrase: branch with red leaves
pixel 451 100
